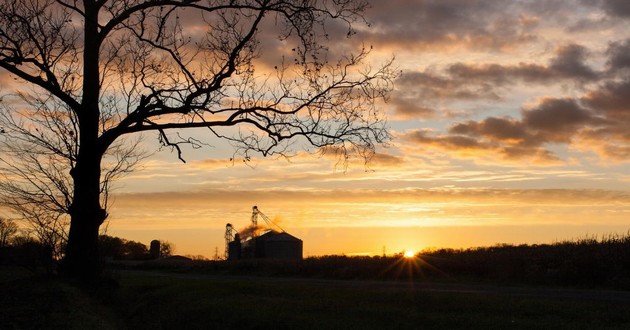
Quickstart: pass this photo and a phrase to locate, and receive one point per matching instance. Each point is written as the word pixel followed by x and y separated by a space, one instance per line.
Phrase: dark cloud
pixel 596 122
pixel 465 81
pixel 453 142
pixel 537 154
pixel 482 24
pixel 417 93
pixel 502 129
pixel 599 122
pixel 475 141
pixel 569 62
pixel 612 100
pixel 498 74
pixel 551 121
pixel 556 119
pixel 478 24
pixel 430 85
pixel 619 8
pixel 406 109
pixel 619 55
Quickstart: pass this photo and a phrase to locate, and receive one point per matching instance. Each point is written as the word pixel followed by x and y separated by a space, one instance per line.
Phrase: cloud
pixel 419 92
pixel 569 62
pixel 438 25
pixel 620 8
pixel 383 160
pixel 556 120
pixel 619 55
pixel 486 25
pixel 503 129
pixel 411 108
pixel 612 100
pixel 430 85
pixel 598 123
pixel 448 23
pixel 475 140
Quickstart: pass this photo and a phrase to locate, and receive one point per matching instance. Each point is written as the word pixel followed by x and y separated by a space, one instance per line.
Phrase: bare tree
pixel 101 70
pixel 8 228
pixel 49 228
pixel 167 249
pixel 38 148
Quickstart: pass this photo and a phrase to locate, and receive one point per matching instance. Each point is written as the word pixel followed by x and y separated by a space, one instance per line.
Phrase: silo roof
pixel 275 236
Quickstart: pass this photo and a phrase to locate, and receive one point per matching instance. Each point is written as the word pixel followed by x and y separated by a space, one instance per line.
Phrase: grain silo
pixel 257 241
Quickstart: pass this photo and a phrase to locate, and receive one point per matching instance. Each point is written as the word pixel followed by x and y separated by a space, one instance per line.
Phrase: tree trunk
pixel 82 260
pixel 86 216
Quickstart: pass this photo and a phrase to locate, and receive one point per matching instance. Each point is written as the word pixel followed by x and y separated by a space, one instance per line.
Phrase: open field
pixel 161 300
pixel 583 284
pixel 29 301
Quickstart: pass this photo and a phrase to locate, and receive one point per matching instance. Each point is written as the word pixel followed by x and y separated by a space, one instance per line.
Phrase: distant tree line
pixel 121 249
pixel 587 262
pixel 21 248
pixel 27 248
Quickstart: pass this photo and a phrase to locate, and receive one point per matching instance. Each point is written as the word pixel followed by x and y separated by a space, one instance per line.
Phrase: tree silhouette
pixel 99 70
pixel 166 249
pixel 8 228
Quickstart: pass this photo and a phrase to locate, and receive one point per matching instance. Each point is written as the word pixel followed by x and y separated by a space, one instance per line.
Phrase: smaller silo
pixel 154 249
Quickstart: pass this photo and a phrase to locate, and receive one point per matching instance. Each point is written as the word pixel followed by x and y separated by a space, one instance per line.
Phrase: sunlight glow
pixel 409 254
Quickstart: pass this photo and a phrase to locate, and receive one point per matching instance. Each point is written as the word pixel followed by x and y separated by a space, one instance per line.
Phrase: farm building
pixel 261 242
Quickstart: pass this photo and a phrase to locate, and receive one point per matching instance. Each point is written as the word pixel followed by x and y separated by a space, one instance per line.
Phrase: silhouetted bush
pixel 122 249
pixel 28 253
pixel 584 262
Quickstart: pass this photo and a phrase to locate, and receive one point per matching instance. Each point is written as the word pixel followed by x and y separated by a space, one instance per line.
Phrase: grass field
pixel 152 300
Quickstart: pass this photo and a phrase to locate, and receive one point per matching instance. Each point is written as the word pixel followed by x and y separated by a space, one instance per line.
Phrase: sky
pixel 510 123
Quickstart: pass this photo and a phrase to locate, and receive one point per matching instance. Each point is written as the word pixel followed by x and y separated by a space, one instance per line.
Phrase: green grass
pixel 189 301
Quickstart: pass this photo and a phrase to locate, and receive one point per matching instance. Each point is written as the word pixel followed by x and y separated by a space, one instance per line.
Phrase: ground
pixel 163 300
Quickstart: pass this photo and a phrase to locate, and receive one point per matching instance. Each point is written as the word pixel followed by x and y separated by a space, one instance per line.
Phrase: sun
pixel 409 254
